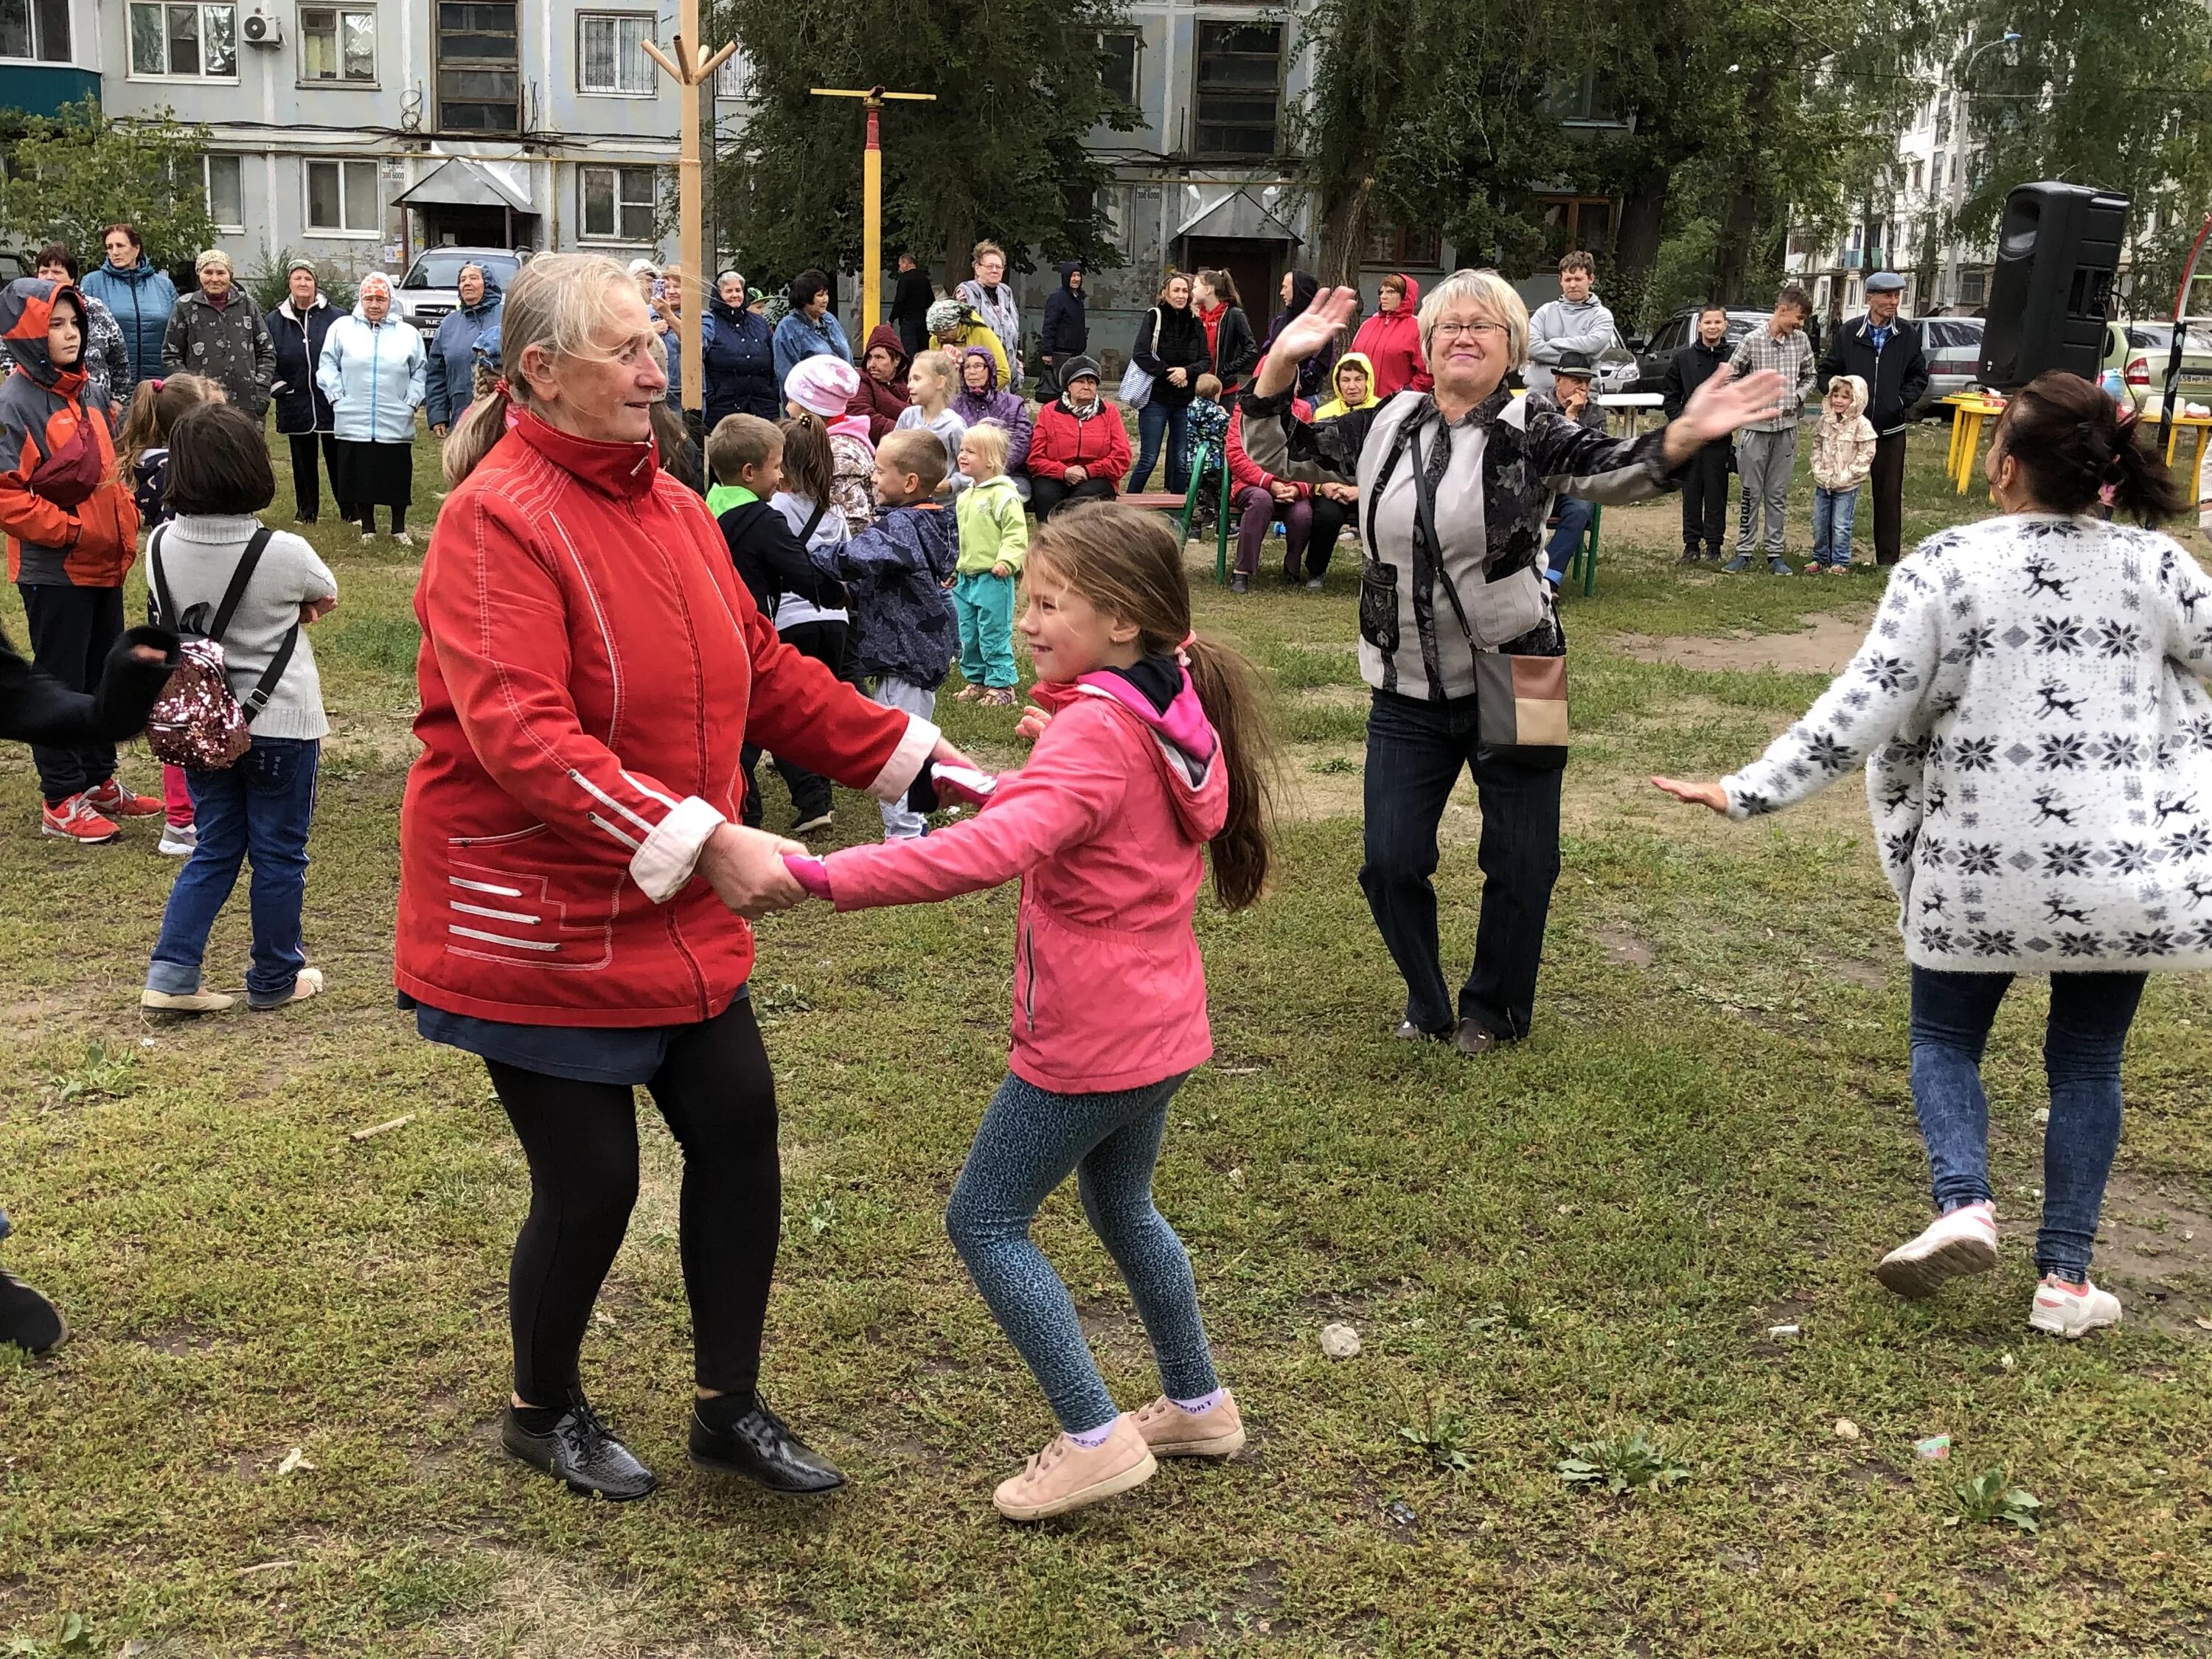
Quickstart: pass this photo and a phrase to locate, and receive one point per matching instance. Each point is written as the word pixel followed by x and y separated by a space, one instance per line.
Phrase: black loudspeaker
pixel 2058 248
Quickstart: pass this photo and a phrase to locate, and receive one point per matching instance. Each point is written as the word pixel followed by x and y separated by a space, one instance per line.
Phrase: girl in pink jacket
pixel 1149 746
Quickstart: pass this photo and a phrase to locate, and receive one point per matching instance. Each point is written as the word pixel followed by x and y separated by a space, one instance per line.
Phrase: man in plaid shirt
pixel 1766 450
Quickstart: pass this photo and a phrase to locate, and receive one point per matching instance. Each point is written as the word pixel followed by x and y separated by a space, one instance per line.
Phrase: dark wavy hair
pixel 2072 443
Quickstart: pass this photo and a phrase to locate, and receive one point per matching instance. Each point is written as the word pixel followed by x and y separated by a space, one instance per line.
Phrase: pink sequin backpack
pixel 199 724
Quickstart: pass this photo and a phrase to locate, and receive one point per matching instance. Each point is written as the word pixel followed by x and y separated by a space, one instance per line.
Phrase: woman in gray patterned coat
pixel 1453 487
pixel 219 332
pixel 2038 743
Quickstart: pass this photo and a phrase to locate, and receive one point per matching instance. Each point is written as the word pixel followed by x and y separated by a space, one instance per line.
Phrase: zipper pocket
pixel 1028 978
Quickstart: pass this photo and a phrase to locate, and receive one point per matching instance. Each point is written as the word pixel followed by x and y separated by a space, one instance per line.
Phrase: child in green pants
pixel 994 537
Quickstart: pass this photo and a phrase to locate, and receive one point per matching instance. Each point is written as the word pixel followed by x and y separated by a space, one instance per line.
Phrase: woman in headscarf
pixel 449 382
pixel 978 397
pixel 739 354
pixel 881 398
pixel 1299 288
pixel 217 332
pixel 373 371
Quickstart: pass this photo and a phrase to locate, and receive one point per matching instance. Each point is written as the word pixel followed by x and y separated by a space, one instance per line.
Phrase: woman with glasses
pixel 1459 639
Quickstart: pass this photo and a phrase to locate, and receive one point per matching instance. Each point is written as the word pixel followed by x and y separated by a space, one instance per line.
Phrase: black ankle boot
pixel 755 1444
pixel 580 1450
pixel 27 1318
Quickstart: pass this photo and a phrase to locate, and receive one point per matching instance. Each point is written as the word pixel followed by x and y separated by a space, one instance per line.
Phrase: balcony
pixel 43 89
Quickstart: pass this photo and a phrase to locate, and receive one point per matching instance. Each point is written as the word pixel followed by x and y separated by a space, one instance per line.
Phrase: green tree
pixel 2113 94
pixel 999 153
pixel 69 177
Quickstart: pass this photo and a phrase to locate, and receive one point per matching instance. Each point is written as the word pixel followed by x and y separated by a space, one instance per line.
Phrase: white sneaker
pixel 367 538
pixel 179 840
pixel 403 538
pixel 1963 1241
pixel 2072 1310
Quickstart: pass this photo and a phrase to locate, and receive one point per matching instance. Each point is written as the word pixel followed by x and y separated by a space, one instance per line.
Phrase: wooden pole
pixel 688 71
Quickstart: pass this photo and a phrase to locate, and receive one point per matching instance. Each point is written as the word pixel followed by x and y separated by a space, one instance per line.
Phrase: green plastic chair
pixel 1209 453
pixel 1584 558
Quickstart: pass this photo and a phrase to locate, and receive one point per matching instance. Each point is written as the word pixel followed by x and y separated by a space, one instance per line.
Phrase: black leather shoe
pixel 27 1318
pixel 759 1447
pixel 581 1452
pixel 1474 1039
pixel 1409 1032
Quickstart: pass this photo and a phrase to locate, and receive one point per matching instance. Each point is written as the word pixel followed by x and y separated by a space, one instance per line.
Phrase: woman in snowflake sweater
pixel 2039 756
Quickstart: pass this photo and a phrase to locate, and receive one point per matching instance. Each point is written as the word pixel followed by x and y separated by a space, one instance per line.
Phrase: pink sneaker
pixel 1066 1476
pixel 1963 1241
pixel 1171 1432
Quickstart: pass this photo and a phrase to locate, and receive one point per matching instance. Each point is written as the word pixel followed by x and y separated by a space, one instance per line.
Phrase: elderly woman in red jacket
pixel 574 879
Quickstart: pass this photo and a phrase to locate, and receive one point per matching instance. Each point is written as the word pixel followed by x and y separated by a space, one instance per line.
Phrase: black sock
pixel 537 1419
pixel 720 1410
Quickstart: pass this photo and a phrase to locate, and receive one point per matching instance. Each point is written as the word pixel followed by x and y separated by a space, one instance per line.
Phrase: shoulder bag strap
pixel 264 687
pixel 807 534
pixel 1424 506
pixel 164 602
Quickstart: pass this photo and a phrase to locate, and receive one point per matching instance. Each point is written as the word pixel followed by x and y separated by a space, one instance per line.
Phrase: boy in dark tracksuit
pixel 1704 481
pixel 37 707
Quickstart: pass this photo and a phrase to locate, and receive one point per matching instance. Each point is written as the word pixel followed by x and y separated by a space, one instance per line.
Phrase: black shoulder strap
pixel 238 579
pixel 807 534
pixel 1424 506
pixel 163 602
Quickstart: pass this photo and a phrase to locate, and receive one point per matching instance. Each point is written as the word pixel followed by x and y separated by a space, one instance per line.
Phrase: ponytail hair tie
pixel 1183 649
pixel 156 385
pixel 501 387
pixel 2128 416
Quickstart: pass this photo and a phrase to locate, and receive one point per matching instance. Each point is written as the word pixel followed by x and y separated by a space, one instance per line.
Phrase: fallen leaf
pixel 294 1459
pixel 1846 1429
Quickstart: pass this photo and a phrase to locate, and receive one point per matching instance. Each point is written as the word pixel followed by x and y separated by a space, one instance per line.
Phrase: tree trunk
pixel 1636 248
pixel 1732 248
pixel 959 245
pixel 1344 233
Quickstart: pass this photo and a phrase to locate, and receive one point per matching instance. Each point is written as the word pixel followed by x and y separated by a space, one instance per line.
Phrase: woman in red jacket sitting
pixel 1313 515
pixel 574 879
pixel 1078 448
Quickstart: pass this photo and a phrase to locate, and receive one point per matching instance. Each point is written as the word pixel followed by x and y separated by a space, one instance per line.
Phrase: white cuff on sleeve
pixel 664 864
pixel 907 760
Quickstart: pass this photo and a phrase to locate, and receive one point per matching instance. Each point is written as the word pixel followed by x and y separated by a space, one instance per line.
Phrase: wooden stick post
pixel 689 72
pixel 871 205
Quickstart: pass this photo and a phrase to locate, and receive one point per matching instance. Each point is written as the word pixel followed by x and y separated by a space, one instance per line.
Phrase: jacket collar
pixel 624 471
pixel 322 303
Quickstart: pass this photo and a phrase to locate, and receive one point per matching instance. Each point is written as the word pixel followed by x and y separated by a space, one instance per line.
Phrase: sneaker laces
pixel 583 1428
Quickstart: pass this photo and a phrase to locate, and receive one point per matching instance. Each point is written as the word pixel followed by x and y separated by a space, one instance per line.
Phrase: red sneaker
pixel 75 819
pixel 113 799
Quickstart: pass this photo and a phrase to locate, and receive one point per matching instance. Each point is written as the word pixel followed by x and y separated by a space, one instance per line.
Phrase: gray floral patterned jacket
pixel 2038 748
pixel 229 344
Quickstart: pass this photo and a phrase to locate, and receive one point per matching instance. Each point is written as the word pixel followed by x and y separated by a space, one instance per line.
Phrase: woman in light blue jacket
pixel 373 370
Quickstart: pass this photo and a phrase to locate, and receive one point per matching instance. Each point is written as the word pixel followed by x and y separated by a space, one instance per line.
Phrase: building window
pixel 1402 248
pixel 1240 77
pixel 1117 68
pixel 1974 288
pixel 1576 222
pixel 735 78
pixel 226 200
pixel 184 40
pixel 341 199
pixel 1585 98
pixel 337 44
pixel 479 75
pixel 620 204
pixel 1918 174
pixel 610 53
pixel 38 29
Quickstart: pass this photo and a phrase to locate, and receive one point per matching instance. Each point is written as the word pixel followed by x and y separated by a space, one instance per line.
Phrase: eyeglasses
pixel 1452 331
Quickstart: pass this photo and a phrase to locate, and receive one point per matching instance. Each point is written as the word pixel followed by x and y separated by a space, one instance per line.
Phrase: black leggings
pixel 366 512
pixel 717 1096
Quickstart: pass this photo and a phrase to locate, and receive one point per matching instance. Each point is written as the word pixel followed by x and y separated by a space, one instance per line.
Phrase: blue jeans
pixel 1028 1139
pixel 2090 1014
pixel 985 605
pixel 1415 752
pixel 258 809
pixel 1832 512
pixel 1574 519
pixel 1156 421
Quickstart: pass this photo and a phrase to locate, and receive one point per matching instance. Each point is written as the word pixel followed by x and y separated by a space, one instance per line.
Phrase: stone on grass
pixel 1338 1341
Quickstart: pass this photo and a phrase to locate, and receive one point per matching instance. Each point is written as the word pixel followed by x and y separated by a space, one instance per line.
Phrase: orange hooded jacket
pixel 69 520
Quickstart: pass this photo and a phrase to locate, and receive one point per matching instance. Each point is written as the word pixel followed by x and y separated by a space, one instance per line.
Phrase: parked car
pixel 426 292
pixel 1953 347
pixel 1651 360
pixel 2139 350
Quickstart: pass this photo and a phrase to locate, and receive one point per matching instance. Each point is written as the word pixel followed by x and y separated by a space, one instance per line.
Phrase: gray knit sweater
pixel 2037 745
pixel 199 554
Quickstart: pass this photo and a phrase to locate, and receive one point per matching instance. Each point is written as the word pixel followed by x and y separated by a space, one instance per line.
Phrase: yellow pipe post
pixel 872 194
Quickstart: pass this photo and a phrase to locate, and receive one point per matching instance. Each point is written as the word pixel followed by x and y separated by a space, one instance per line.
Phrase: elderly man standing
pixel 1885 352
pixel 218 333
pixel 1767 448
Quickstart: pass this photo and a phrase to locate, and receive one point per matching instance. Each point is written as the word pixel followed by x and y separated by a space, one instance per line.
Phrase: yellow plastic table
pixel 1970 411
pixel 2201 424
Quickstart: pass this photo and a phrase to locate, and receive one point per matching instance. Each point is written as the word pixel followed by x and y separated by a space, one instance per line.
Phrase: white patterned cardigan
pixel 2038 748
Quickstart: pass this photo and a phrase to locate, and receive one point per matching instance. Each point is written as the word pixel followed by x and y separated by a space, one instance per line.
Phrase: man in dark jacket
pixel 218 333
pixel 910 301
pixel 36 707
pixel 296 329
pixel 1885 352
pixel 1066 332
pixel 1704 481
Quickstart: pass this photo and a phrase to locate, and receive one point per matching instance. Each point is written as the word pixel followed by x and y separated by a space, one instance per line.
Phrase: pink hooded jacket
pixel 1106 827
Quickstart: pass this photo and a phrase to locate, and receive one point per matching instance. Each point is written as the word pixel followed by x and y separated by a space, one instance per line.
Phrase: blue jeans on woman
pixel 1028 1139
pixel 2090 1014
pixel 1156 421
pixel 257 809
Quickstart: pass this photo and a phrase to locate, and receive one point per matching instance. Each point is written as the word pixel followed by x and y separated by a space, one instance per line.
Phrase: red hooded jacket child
pixel 882 402
pixel 1392 341
pixel 71 522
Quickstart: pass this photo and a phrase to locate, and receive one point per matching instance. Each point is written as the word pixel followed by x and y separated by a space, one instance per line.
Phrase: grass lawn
pixel 1589 1236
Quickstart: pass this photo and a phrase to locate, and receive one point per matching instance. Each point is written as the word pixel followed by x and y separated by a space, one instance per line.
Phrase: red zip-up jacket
pixel 591 667
pixel 1244 472
pixel 1100 445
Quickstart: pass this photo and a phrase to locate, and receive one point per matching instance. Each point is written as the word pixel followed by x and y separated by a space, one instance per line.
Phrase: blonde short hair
pixel 988 440
pixel 1483 291
pixel 985 247
pixel 937 362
